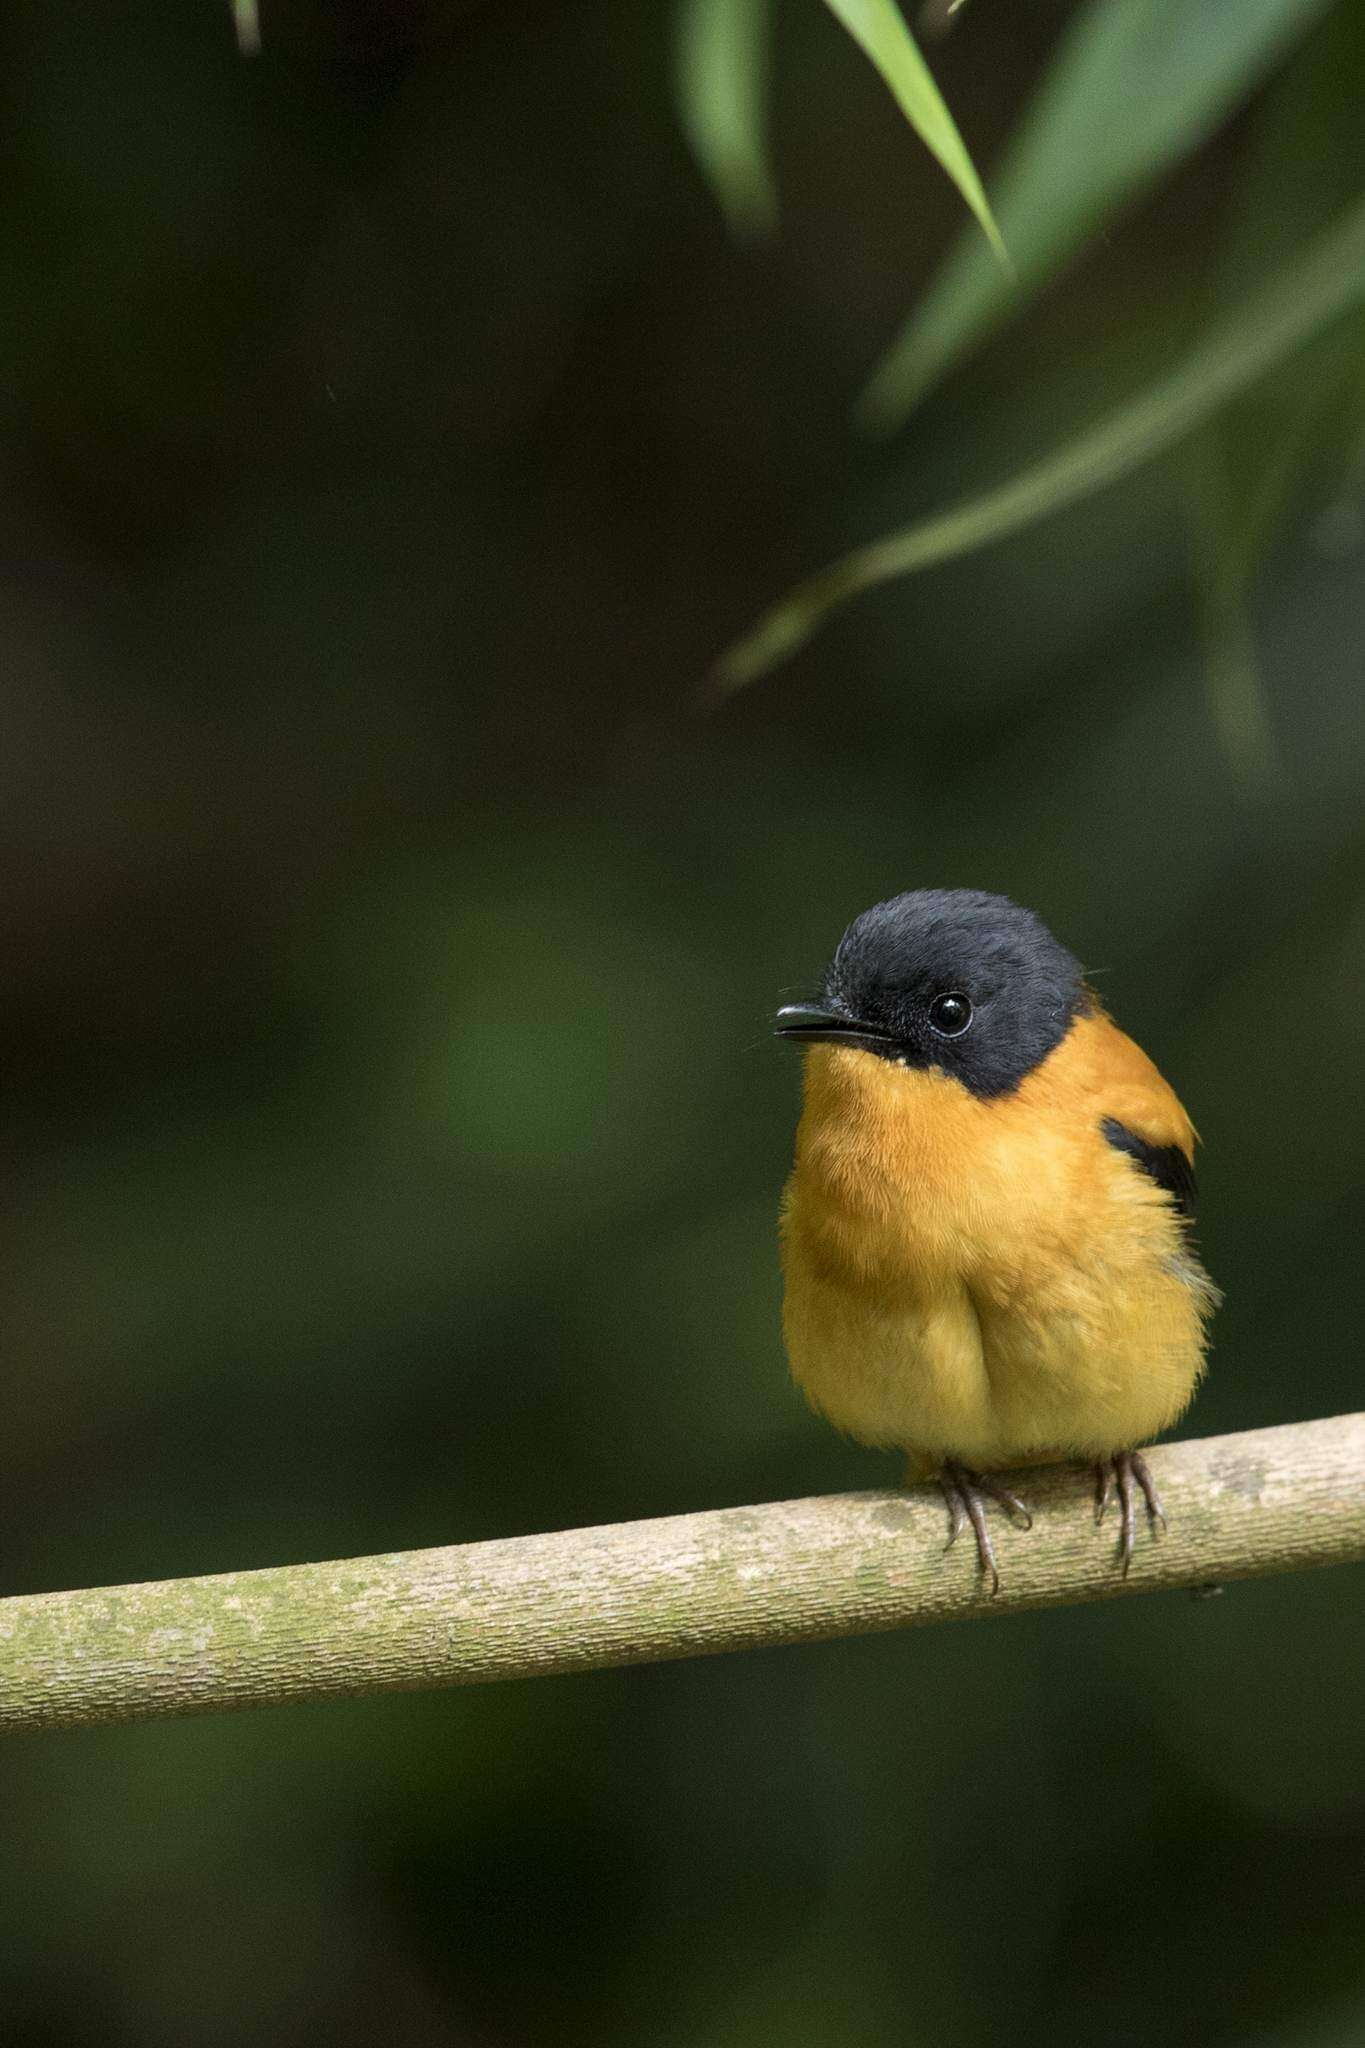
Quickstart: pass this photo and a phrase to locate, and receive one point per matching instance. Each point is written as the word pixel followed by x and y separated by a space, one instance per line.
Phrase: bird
pixel 987 1235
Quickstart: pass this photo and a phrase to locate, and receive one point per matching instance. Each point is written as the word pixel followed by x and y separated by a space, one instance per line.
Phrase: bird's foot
pixel 963 1491
pixel 1127 1466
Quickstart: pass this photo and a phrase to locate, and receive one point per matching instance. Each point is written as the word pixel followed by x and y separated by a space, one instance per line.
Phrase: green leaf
pixel 879 29
pixel 1318 284
pixel 1135 86
pixel 720 84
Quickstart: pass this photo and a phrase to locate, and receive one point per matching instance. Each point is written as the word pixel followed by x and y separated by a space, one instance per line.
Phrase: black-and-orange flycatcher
pixel 986 1237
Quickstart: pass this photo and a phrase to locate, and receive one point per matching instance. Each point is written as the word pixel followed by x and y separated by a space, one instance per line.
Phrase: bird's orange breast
pixel 990 1279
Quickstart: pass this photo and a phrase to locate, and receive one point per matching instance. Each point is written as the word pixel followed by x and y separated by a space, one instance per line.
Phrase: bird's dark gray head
pixel 949 978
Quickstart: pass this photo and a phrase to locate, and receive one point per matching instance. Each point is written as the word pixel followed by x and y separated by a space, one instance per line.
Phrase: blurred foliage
pixel 722 92
pixel 1322 281
pixel 392 1133
pixel 1134 85
pixel 722 88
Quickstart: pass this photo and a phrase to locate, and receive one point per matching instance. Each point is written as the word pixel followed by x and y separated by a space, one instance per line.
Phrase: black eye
pixel 950 1014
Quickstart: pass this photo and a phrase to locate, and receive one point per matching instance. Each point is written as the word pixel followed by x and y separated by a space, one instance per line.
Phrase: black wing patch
pixel 1167 1164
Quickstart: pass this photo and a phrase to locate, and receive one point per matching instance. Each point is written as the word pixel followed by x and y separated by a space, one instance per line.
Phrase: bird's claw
pixel 1127 1466
pixel 962 1490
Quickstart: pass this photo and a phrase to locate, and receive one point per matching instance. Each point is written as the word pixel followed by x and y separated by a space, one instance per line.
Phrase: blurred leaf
pixel 721 88
pixel 878 28
pixel 1315 287
pixel 1136 85
pixel 247 21
pixel 1249 468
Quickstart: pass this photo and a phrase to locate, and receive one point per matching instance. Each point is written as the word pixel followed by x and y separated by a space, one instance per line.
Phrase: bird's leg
pixel 962 1490
pixel 1126 1466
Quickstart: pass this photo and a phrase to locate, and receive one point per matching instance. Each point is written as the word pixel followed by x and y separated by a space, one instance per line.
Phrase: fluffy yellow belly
pixel 1096 1364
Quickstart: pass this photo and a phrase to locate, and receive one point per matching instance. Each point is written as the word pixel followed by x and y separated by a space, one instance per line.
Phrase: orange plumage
pixel 977 1274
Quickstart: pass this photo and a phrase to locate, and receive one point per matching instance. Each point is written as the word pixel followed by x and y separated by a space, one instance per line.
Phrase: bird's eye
pixel 950 1014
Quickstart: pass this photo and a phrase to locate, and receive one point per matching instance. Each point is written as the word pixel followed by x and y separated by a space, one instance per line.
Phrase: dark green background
pixel 391 1132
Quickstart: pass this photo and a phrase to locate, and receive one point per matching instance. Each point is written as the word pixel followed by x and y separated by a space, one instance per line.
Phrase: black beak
pixel 809 1024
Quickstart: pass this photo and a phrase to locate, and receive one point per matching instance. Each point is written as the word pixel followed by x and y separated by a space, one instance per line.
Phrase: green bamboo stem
pixel 1270 1500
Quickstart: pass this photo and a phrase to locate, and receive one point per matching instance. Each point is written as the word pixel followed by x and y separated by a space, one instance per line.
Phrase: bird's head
pixel 948 978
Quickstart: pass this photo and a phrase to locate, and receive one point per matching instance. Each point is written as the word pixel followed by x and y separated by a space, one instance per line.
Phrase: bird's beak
pixel 809 1024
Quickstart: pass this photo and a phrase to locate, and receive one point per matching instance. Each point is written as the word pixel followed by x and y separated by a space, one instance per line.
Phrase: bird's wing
pixel 1170 1166
pixel 1135 1107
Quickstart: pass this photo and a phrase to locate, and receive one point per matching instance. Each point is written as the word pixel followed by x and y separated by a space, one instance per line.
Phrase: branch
pixel 790 1571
